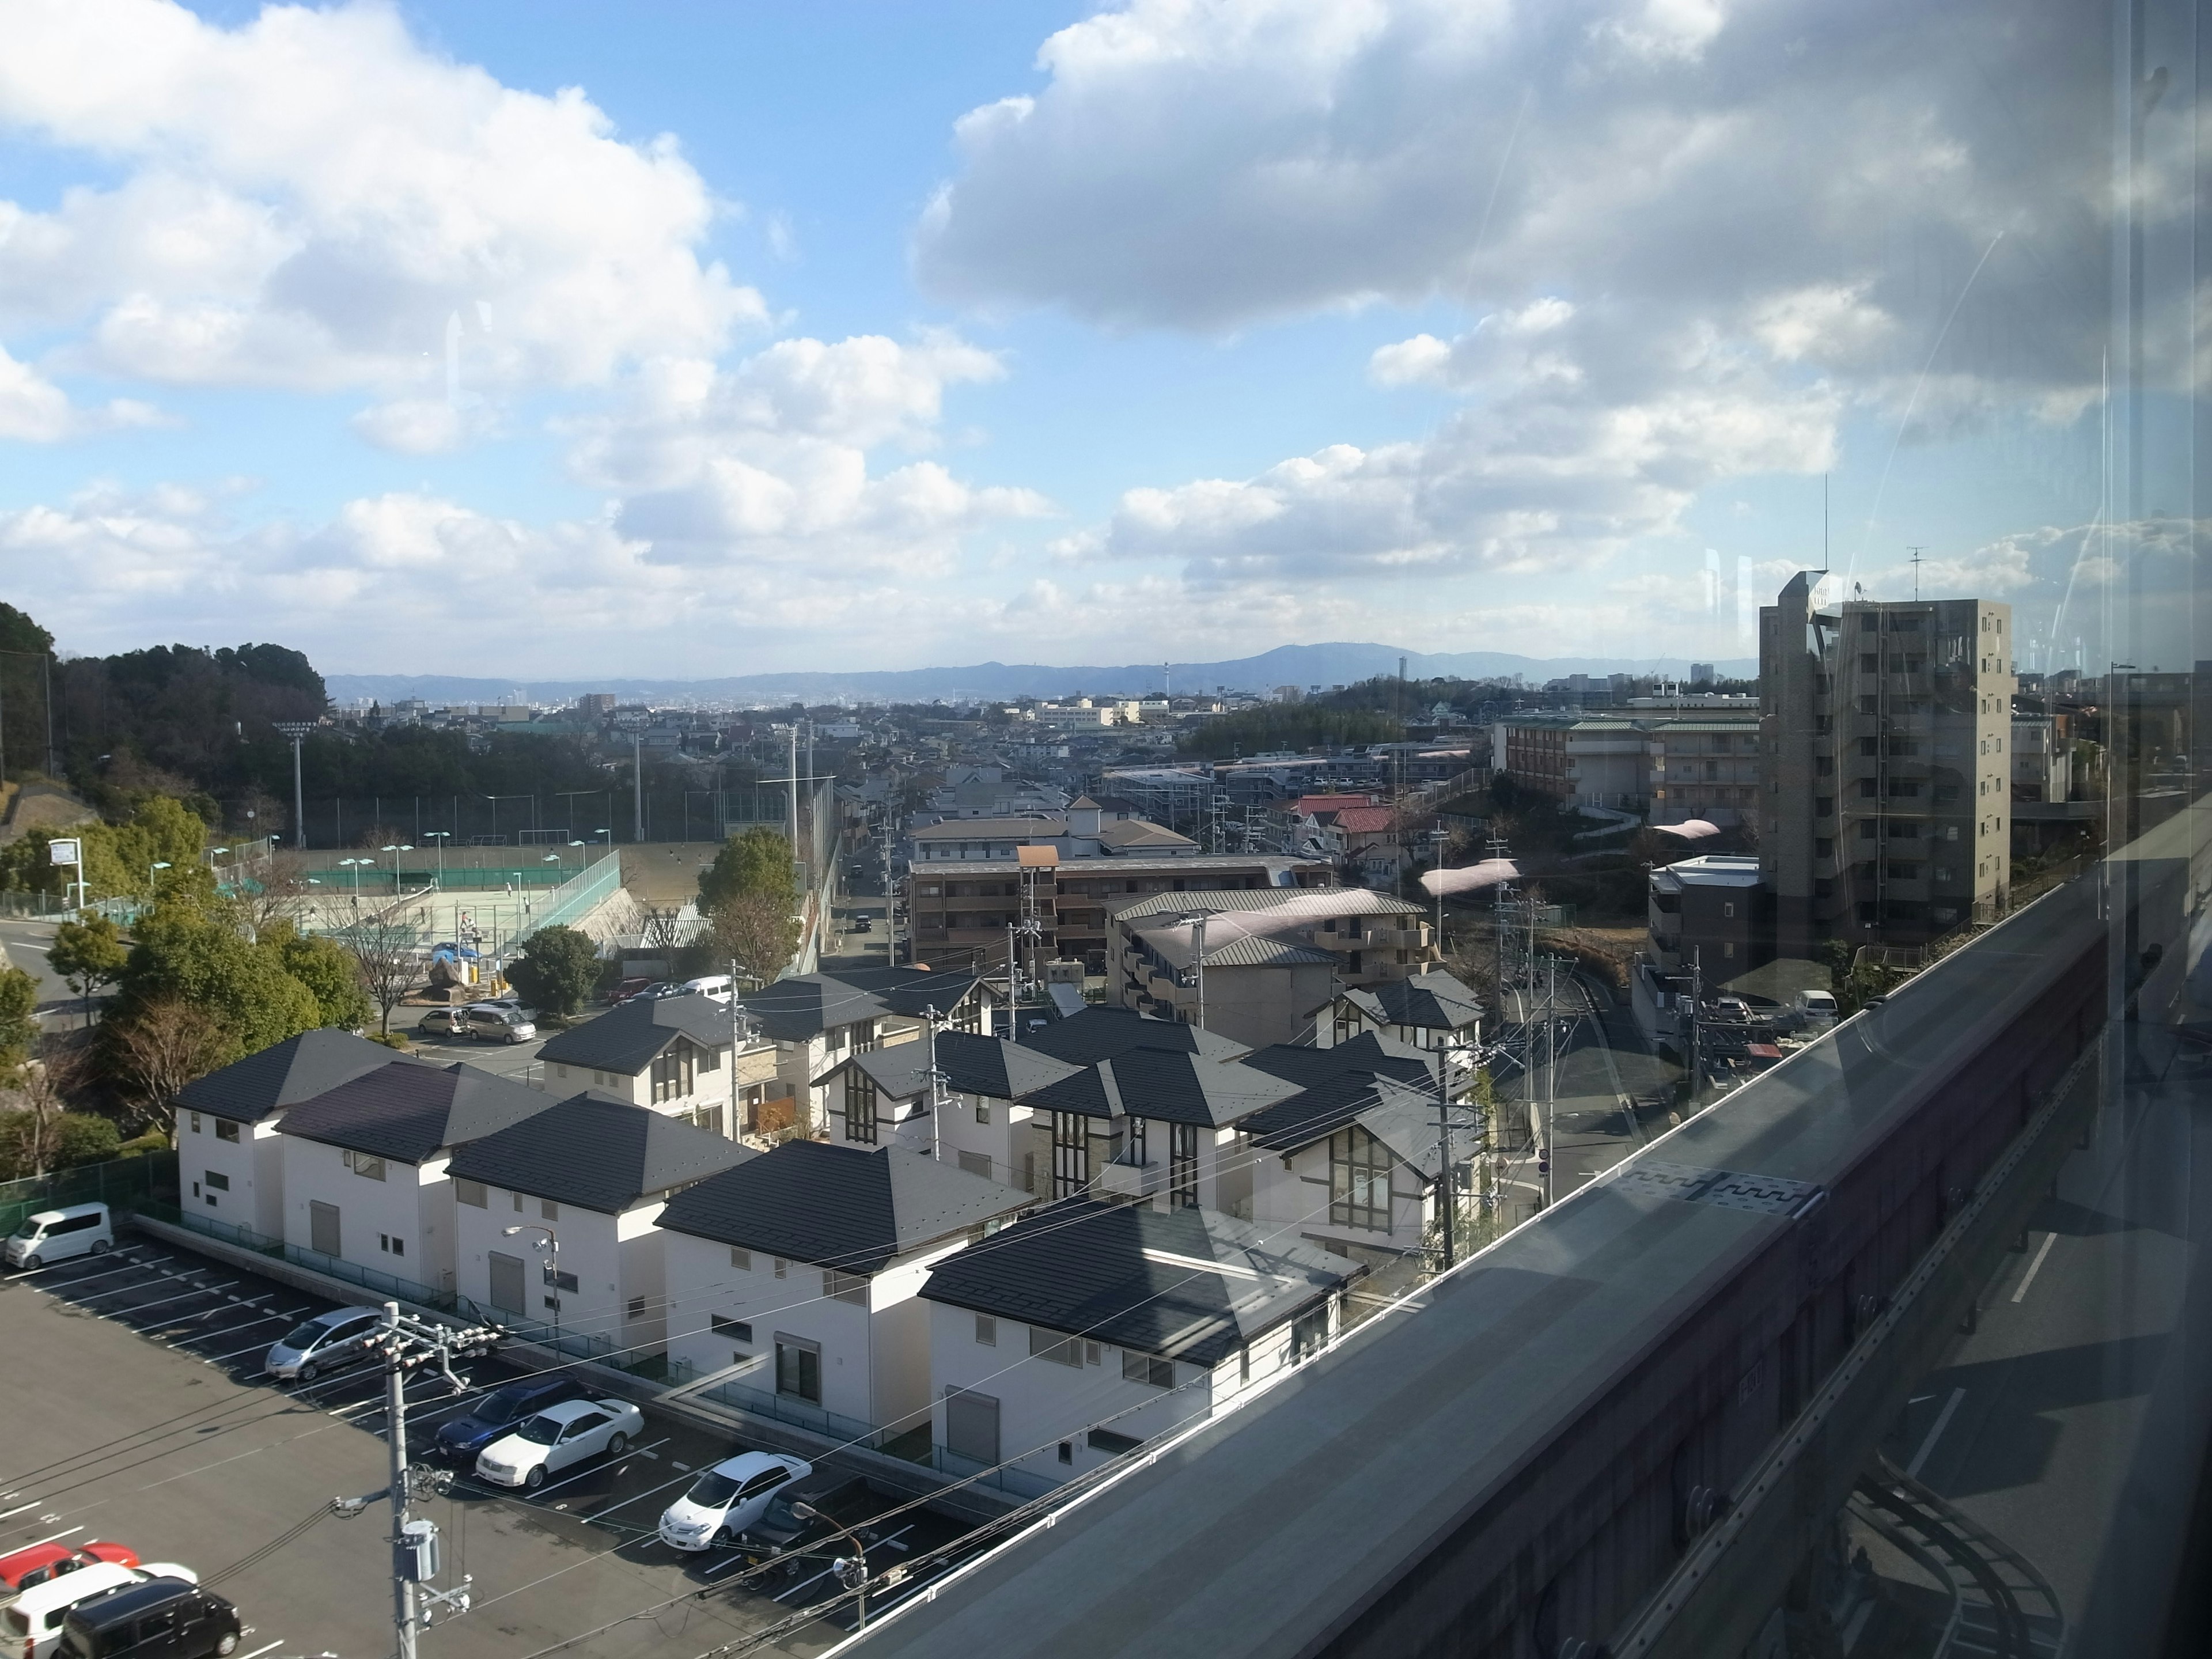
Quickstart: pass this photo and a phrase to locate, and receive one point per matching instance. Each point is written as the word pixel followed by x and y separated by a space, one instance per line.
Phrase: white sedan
pixel 728 1498
pixel 557 1436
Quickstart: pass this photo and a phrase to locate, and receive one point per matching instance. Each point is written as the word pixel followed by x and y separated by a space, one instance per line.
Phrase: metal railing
pixel 124 1184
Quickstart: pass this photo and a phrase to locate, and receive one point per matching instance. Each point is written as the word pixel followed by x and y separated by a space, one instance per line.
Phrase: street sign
pixel 67 851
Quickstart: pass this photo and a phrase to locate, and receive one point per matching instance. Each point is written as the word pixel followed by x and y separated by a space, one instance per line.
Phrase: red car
pixel 630 988
pixel 40 1562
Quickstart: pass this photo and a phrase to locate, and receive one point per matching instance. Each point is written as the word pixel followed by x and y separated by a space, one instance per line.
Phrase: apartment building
pixel 1677 759
pixel 1887 814
pixel 961 915
pixel 1705 769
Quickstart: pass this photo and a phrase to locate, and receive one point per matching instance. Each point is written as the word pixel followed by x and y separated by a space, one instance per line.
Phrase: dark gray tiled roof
pixel 838 1206
pixel 596 1153
pixel 630 1038
pixel 1386 1087
pixel 807 1005
pixel 1171 1087
pixel 972 1064
pixel 1433 1001
pixel 285 1073
pixel 407 1110
pixel 1100 1033
pixel 1366 1053
pixel 1141 1279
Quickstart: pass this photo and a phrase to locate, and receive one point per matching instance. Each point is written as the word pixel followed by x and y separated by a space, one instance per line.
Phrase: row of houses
pixel 1037 1254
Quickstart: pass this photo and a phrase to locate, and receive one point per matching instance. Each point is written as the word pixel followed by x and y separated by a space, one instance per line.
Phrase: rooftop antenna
pixel 1916 552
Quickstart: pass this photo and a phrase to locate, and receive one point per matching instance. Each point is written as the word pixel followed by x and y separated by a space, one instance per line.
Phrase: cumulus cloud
pixel 769 459
pixel 1694 237
pixel 33 410
pixel 311 200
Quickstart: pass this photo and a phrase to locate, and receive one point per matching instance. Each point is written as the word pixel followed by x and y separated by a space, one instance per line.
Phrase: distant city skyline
pixel 429 338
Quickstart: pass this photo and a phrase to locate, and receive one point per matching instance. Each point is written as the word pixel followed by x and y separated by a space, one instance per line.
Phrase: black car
pixel 463 1437
pixel 161 1618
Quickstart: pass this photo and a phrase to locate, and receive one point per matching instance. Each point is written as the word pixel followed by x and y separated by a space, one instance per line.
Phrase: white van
pixel 716 985
pixel 1816 1010
pixel 56 1234
pixel 31 1625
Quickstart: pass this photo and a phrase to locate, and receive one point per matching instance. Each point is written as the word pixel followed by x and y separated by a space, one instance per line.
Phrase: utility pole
pixel 931 1019
pixel 637 783
pixel 793 786
pixel 407 1345
pixel 1551 1077
pixel 1697 1002
pixel 891 891
pixel 1446 1181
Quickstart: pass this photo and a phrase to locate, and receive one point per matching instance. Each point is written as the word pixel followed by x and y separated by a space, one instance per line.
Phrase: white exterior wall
pixel 413 1205
pixel 711 1089
pixel 1225 1175
pixel 1292 1194
pixel 875 1358
pixel 614 1257
pixel 253 1165
pixel 1042 1402
pixel 1007 1139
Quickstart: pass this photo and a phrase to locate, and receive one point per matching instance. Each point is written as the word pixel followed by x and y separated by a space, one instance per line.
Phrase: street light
pixel 356 864
pixel 852 1573
pixel 153 876
pixel 552 1248
pixel 441 836
pixel 297 730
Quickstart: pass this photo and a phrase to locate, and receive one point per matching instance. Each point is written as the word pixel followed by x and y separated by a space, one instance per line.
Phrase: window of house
pixel 1358 1181
pixel 195 1122
pixel 986 1330
pixel 673 1072
pixel 1132 1151
pixel 982 1111
pixel 781 1267
pixel 472 1194
pixel 742 1259
pixel 845 1287
pixel 547 1210
pixel 1071 1154
pixel 799 1368
pixel 1049 1344
pixel 1182 1166
pixel 370 1168
pixel 1147 1368
pixel 225 1129
pixel 734 1330
pixel 219 1182
pixel 634 1307
pixel 860 1107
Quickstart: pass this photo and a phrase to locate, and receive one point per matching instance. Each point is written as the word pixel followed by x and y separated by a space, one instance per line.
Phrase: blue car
pixel 498 1411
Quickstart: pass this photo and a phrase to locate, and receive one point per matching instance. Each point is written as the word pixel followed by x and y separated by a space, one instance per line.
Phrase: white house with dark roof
pixel 882 1097
pixel 591 1175
pixel 817 1020
pixel 1351 1160
pixel 230 1161
pixel 1429 1010
pixel 1072 1337
pixel 687 1057
pixel 791 1280
pixel 365 1179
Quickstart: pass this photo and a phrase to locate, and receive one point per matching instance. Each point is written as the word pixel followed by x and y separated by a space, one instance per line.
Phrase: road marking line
pixel 55 1538
pixel 1942 1422
pixel 20 1508
pixel 595 1468
pixel 2034 1266
pixel 258 1652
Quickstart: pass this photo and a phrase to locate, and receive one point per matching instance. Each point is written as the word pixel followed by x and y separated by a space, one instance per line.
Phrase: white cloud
pixel 311 200
pixel 33 410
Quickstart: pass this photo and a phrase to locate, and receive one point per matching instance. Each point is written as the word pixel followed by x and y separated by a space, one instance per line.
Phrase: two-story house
pixel 1074 1336
pixel 1351 1160
pixel 816 1020
pixel 365 1179
pixel 881 1097
pixel 230 1161
pixel 792 1279
pixel 1429 1010
pixel 688 1057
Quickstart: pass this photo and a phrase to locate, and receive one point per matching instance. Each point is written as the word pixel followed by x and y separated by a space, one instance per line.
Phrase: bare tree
pixel 272 892
pixel 755 931
pixel 386 947
pixel 166 1043
pixel 42 1088
pixel 657 927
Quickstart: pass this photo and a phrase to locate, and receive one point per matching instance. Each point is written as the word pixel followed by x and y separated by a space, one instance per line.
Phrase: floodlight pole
pixel 297 730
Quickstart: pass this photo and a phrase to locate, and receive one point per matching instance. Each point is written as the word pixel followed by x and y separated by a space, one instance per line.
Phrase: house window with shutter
pixel 860 1107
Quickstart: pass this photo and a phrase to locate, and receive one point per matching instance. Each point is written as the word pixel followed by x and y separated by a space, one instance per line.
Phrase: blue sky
pixel 554 339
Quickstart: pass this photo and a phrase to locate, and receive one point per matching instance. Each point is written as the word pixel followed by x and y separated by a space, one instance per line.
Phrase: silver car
pixel 324 1343
pixel 492 1022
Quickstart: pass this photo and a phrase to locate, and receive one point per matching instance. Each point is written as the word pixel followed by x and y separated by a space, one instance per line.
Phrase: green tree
pixel 189 952
pixel 758 862
pixel 755 933
pixel 18 1022
pixel 89 953
pixel 556 969
pixel 329 971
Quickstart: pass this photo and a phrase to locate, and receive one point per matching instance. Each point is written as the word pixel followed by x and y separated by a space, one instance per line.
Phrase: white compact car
pixel 728 1498
pixel 556 1437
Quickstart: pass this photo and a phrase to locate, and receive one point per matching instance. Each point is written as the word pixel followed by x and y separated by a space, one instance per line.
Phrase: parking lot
pixel 142 1415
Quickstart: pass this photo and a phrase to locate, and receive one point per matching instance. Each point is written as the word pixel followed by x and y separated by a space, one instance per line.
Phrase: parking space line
pixel 598 1514
pixel 217 1359
pixel 218 1332
pixel 120 1289
pixel 20 1508
pixel 258 1652
pixel 57 1538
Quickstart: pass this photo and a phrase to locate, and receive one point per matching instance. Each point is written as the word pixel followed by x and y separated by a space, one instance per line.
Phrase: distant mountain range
pixel 1305 666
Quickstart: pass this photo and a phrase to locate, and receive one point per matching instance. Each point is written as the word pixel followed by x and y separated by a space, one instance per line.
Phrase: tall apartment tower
pixel 1887 817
